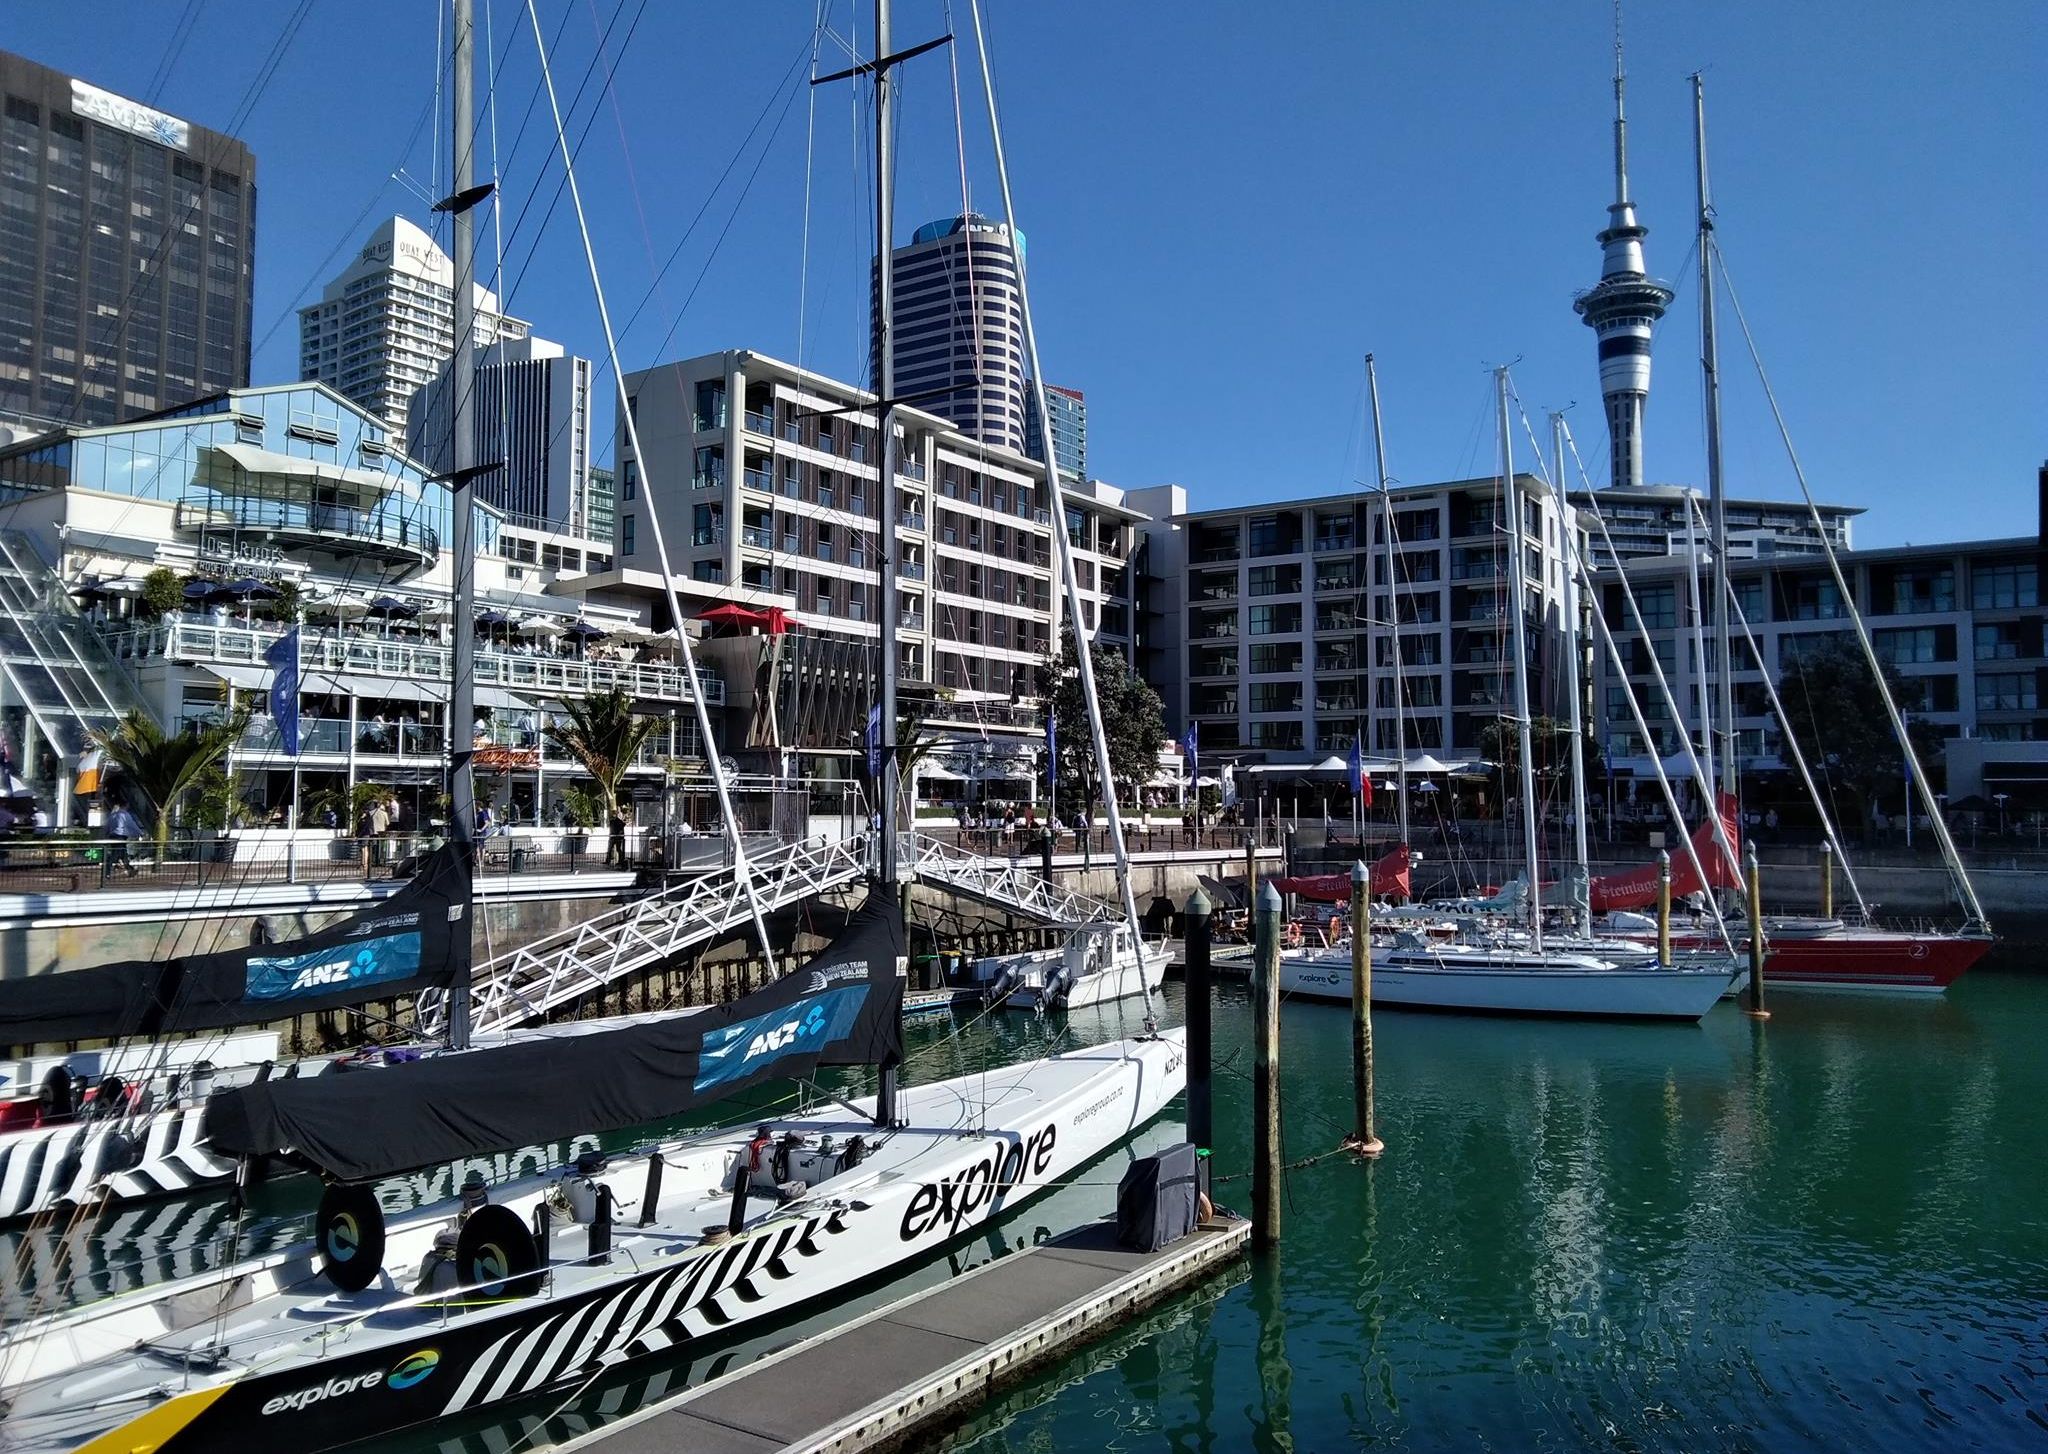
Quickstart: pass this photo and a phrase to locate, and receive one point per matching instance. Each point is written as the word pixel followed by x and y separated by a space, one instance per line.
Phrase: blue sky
pixel 1229 205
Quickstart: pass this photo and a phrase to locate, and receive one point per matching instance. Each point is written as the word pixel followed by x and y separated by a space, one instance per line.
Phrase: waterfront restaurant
pixel 154 564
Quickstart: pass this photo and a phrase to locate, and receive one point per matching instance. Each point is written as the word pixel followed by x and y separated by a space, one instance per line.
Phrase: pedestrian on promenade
pixel 124 828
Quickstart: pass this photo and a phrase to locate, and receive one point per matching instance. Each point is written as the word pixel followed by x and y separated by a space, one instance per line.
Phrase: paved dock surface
pixel 935 1355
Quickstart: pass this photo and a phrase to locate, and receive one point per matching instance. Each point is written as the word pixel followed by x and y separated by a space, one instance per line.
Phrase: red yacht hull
pixel 1864 959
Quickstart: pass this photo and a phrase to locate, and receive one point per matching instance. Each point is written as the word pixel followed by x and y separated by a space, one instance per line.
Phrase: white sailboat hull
pixel 1498 985
pixel 262 1374
pixel 1036 983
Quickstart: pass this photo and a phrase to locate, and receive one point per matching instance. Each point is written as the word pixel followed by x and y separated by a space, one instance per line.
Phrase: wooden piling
pixel 1755 1009
pixel 1664 910
pixel 1266 1070
pixel 1365 1139
pixel 1195 930
pixel 1827 879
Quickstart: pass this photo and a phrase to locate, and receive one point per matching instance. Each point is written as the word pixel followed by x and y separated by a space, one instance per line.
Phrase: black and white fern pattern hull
pixel 297 1364
pixel 86 1163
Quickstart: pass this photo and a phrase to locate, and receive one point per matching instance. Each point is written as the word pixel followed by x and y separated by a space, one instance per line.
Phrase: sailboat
pixel 1488 966
pixel 537 1284
pixel 1821 952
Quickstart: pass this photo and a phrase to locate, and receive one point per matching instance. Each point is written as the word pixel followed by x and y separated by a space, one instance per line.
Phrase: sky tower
pixel 1623 308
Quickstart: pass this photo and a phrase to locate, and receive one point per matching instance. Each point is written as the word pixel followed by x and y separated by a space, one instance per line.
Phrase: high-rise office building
pixel 127 239
pixel 1069 414
pixel 533 415
pixel 384 327
pixel 960 327
pixel 604 503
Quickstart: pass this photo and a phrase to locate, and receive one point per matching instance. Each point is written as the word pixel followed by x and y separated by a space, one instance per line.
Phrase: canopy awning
pixel 263 464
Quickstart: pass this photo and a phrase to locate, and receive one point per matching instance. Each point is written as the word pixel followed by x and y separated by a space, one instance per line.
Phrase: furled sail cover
pixel 1389 876
pixel 1637 888
pixel 397 947
pixel 843 1007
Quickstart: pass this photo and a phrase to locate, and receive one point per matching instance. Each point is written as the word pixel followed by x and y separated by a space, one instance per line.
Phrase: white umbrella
pixel 540 626
pixel 1427 788
pixel 1426 763
pixel 439 611
pixel 345 608
pixel 1332 763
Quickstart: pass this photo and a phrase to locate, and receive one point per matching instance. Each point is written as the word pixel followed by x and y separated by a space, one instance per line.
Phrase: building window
pixel 625 535
pixel 1996 586
pixel 629 479
pixel 1275 620
pixel 2008 640
pixel 1916 645
pixel 2007 691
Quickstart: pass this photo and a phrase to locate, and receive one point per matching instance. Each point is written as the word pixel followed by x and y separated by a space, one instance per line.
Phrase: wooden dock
pixel 929 1359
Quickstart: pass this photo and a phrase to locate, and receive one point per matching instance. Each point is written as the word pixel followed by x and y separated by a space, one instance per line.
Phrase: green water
pixel 1830 1231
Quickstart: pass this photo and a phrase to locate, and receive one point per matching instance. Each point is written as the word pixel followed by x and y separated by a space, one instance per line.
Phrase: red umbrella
pixel 733 615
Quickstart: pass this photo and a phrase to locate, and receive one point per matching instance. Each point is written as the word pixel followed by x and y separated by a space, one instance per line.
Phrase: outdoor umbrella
pixel 494 618
pixel 203 590
pixel 392 606
pixel 251 589
pixel 1426 763
pixel 540 626
pixel 731 614
pixel 587 631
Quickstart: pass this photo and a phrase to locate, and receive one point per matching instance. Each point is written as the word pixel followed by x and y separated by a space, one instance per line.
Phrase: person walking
pixel 124 828
pixel 615 840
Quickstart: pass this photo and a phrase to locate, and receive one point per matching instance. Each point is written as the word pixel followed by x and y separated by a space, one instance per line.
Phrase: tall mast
pixel 889 787
pixel 1379 450
pixel 461 381
pixel 1710 373
pixel 1574 656
pixel 1512 500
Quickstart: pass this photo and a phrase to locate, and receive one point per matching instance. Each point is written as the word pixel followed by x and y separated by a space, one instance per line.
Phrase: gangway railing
pixel 1002 883
pixel 523 986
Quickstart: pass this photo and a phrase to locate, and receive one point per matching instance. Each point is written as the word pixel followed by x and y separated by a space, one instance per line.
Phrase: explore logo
pixel 413 1368
pixel 945 1205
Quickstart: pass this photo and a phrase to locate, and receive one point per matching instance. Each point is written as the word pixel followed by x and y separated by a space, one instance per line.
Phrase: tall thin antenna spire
pixel 1620 114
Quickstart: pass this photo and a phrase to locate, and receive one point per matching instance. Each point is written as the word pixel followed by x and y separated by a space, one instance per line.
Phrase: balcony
pixel 332 527
pixel 1335 542
pixel 911 520
pixel 911 620
pixel 761 421
pixel 912 570
pixel 762 480
pixel 757 537
pixel 710 535
pixel 359 651
pixel 708 480
pixel 910 469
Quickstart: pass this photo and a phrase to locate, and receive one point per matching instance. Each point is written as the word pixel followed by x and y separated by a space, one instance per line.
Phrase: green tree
pixel 604 735
pixel 1839 721
pixel 162 593
pixel 1500 741
pixel 162 767
pixel 1133 719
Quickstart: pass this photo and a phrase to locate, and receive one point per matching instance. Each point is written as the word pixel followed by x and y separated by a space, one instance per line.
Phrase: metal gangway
pixel 1002 883
pixel 522 986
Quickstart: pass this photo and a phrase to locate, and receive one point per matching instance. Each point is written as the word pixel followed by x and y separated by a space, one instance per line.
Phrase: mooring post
pixel 1251 874
pixel 1664 911
pixel 1266 1070
pixel 1195 951
pixel 1827 879
pixel 1365 1140
pixel 1045 856
pixel 1756 1010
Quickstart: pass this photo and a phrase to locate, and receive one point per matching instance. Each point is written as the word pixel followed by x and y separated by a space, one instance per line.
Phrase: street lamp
pixel 1999 798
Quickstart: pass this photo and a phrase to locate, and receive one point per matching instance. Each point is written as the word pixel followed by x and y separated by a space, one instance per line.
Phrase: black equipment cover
pixel 397 947
pixel 1155 1201
pixel 844 1007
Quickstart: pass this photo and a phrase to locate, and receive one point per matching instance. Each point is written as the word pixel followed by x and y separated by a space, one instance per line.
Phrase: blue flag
pixel 1357 767
pixel 1052 755
pixel 875 741
pixel 283 657
pixel 1191 743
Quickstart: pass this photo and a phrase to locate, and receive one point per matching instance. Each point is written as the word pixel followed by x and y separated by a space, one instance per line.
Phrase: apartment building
pixel 1962 623
pixel 764 482
pixel 1295 612
pixel 1654 520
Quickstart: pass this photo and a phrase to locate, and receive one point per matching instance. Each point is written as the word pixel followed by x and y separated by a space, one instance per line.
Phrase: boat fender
pixel 56 1098
pixel 349 1231
pixel 495 1254
pixel 437 1268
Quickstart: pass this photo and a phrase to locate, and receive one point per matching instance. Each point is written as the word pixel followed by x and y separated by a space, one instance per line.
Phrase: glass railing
pixel 910 520
pixel 310 519
pixel 715 535
pixel 758 537
pixel 708 480
pixel 761 422
pixel 913 570
pixel 762 480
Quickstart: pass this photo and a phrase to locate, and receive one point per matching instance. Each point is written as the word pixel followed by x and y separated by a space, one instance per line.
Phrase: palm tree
pixel 604 735
pixel 164 766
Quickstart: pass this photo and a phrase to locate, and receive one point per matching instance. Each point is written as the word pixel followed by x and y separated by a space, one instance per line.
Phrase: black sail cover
pixel 397 947
pixel 842 1007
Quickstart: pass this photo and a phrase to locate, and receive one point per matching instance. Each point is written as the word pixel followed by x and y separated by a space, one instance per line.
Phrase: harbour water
pixel 1829 1231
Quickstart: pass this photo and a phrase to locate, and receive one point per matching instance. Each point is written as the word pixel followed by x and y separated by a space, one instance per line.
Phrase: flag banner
pixel 1052 756
pixel 1361 784
pixel 1192 742
pixel 875 741
pixel 283 657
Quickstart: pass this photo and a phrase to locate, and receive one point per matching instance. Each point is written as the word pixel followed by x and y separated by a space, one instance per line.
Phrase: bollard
pixel 1664 911
pixel 1195 951
pixel 1365 1140
pixel 1266 1070
pixel 1251 875
pixel 1756 1010
pixel 1827 879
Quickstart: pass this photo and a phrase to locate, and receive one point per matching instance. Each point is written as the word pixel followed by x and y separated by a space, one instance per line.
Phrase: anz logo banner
pixel 746 1047
pixel 342 967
